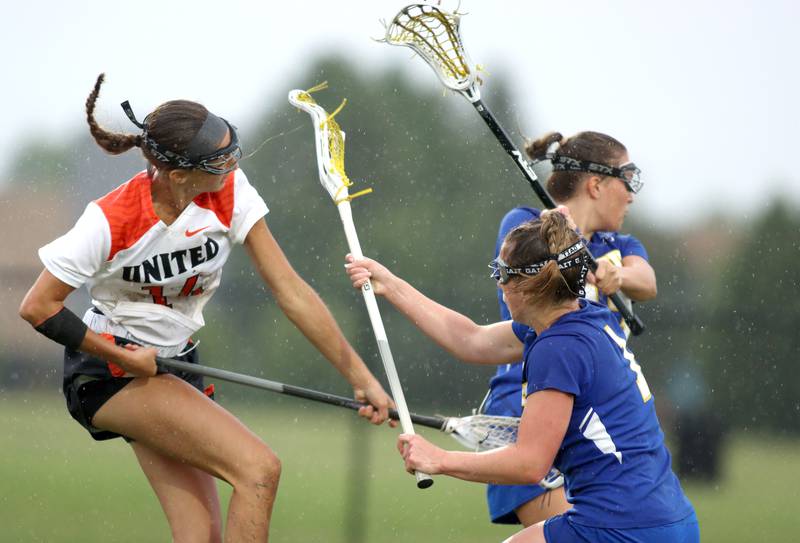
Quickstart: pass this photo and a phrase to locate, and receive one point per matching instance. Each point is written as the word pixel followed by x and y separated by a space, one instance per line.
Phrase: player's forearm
pixel 100 347
pixel 303 306
pixel 505 466
pixel 454 332
pixel 73 333
pixel 431 317
pixel 639 281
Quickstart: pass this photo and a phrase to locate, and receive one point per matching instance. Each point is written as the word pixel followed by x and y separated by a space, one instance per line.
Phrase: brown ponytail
pixel 537 149
pixel 535 241
pixel 109 141
pixel 173 125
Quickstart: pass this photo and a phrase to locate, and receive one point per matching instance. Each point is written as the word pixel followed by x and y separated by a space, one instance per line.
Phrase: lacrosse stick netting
pixel 330 163
pixel 487 432
pixel 482 432
pixel 434 35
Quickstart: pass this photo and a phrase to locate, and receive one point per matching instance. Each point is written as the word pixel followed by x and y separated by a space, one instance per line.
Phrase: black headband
pixel 207 139
pixel 563 163
pixel 202 148
pixel 569 257
pixel 574 255
pixel 628 173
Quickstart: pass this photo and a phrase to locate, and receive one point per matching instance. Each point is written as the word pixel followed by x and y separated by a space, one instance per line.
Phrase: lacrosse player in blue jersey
pixel 598 203
pixel 588 410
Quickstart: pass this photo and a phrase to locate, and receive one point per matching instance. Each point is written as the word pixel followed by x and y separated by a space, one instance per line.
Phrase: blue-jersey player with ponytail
pixel 598 204
pixel 587 408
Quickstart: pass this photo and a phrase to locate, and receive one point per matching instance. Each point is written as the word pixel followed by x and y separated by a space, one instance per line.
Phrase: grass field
pixel 60 486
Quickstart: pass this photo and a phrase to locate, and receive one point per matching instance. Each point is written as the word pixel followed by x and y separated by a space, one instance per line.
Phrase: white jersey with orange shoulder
pixel 149 281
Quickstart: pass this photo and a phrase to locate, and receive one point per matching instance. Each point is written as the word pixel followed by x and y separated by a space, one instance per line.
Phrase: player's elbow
pixel 26 312
pixel 535 471
pixel 643 293
pixel 478 347
pixel 653 289
pixel 295 297
pixel 649 290
pixel 30 309
pixel 462 344
pixel 470 356
pixel 650 286
pixel 538 474
pixel 529 466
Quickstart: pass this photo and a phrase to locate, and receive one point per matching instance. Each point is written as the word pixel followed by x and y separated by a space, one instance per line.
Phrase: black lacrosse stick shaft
pixel 341 401
pixel 290 390
pixel 634 322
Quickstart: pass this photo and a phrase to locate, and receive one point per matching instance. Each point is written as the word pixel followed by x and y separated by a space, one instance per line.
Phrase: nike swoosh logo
pixel 190 233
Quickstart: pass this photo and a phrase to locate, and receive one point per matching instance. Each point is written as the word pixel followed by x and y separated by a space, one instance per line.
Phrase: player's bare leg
pixel 172 418
pixel 551 503
pixel 187 495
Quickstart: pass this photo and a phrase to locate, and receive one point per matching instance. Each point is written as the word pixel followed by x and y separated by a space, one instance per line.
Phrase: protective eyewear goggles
pixel 574 255
pixel 226 159
pixel 200 154
pixel 502 272
pixel 628 173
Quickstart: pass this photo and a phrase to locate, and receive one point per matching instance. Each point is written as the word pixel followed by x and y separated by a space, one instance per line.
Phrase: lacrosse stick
pixel 434 35
pixel 477 432
pixel 330 162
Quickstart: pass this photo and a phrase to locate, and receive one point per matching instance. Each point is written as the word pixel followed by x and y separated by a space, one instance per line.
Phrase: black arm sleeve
pixel 65 327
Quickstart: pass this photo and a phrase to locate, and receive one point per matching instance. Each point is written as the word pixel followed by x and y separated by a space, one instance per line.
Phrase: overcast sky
pixel 704 93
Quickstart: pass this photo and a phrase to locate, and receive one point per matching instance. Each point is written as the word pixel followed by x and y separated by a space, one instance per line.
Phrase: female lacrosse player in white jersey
pixel 151 254
pixel 588 410
pixel 593 177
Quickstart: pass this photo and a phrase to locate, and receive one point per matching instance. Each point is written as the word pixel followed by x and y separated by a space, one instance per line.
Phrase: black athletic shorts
pixel 89 383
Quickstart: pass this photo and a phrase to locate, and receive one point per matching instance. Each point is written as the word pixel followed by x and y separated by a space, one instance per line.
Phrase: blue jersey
pixel 616 466
pixel 504 396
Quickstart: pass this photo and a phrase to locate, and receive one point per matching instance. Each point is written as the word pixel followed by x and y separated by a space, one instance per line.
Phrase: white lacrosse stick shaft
pixel 377 323
pixel 337 188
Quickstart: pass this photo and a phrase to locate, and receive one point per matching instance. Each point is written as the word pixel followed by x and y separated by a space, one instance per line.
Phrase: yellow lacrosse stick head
pixel 329 143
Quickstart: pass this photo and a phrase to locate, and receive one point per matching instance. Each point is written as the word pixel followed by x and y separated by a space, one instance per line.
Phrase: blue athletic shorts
pixel 559 529
pixel 503 500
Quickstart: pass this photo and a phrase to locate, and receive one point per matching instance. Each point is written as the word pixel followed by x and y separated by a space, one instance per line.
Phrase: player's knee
pixel 270 468
pixel 262 471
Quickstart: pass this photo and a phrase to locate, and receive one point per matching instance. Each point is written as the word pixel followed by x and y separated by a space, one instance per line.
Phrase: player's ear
pixel 179 177
pixel 592 186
